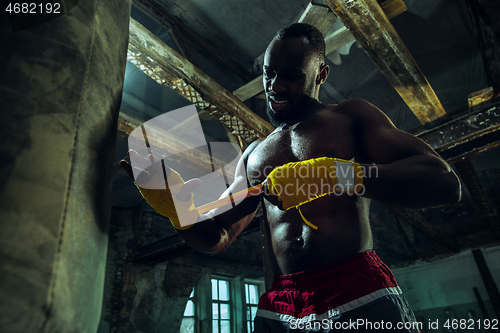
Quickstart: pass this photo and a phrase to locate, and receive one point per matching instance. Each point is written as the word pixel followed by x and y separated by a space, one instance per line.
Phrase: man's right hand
pixel 171 197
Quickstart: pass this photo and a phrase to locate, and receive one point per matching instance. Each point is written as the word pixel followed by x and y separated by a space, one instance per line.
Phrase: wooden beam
pixel 320 16
pixel 368 23
pixel 159 14
pixel 250 89
pixel 470 179
pixel 168 67
pixel 333 42
pixel 416 220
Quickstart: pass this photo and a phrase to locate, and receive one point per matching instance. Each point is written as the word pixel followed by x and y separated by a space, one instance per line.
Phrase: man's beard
pixel 278 119
pixel 300 109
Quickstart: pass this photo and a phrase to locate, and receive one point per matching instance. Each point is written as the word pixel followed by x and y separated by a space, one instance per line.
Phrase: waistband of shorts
pixel 330 272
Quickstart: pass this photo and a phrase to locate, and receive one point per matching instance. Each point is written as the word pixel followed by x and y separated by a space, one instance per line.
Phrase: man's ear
pixel 323 74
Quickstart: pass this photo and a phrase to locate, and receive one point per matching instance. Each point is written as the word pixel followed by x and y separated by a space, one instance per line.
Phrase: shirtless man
pixel 327 278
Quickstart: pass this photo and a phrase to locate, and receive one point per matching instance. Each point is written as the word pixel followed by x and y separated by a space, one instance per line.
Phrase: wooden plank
pixel 158 13
pixel 393 8
pixel 168 67
pixel 250 89
pixel 368 23
pixel 333 42
pixel 320 16
pixel 337 39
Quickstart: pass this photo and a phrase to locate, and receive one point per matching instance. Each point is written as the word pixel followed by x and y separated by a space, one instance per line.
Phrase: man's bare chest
pixel 305 141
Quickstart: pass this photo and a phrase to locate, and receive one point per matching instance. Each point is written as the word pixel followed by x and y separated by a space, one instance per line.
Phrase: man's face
pixel 290 79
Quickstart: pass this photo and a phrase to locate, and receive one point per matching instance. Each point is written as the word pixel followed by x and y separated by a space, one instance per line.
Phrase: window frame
pixel 231 302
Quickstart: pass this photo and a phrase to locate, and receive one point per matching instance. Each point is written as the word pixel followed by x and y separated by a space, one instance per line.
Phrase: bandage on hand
pixel 297 183
pixel 162 194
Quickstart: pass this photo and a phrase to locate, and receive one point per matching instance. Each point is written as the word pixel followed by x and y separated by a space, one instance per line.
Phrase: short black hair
pixel 313 35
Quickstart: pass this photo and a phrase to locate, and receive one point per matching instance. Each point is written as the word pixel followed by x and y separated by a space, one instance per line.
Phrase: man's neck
pixel 312 107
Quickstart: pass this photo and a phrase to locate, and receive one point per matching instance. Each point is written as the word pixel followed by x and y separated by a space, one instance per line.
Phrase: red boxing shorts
pixel 356 294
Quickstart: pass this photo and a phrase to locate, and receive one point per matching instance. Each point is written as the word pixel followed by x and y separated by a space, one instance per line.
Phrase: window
pixel 251 301
pixel 221 306
pixel 189 319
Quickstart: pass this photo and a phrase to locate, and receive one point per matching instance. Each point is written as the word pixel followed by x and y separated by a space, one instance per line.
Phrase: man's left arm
pixel 406 172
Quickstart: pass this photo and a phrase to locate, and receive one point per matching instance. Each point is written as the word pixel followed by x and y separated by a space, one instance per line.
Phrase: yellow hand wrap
pixel 298 183
pixel 162 200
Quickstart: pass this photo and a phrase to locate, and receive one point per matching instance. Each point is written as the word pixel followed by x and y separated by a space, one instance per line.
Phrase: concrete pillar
pixel 60 91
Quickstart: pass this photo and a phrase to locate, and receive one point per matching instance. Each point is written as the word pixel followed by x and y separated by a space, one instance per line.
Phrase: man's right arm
pixel 215 234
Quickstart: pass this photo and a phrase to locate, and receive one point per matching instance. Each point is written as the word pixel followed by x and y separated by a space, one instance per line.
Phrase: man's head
pixel 294 69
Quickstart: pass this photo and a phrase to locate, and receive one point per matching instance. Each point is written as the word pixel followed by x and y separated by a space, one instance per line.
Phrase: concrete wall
pixel 443 288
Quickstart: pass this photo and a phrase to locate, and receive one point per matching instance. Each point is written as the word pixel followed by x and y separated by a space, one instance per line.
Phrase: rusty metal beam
pixel 466 134
pixel 168 67
pixel 366 20
pixel 159 14
pixel 470 179
pixel 333 42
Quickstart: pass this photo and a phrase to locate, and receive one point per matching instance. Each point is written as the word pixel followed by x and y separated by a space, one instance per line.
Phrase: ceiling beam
pixel 466 134
pixel 321 16
pixel 333 42
pixel 159 14
pixel 168 67
pixel 368 23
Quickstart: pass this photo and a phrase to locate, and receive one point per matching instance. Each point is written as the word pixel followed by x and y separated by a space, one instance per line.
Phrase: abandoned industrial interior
pixel 84 252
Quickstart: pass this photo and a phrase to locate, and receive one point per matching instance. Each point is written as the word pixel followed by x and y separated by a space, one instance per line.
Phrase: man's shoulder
pixel 251 147
pixel 352 106
pixel 359 110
